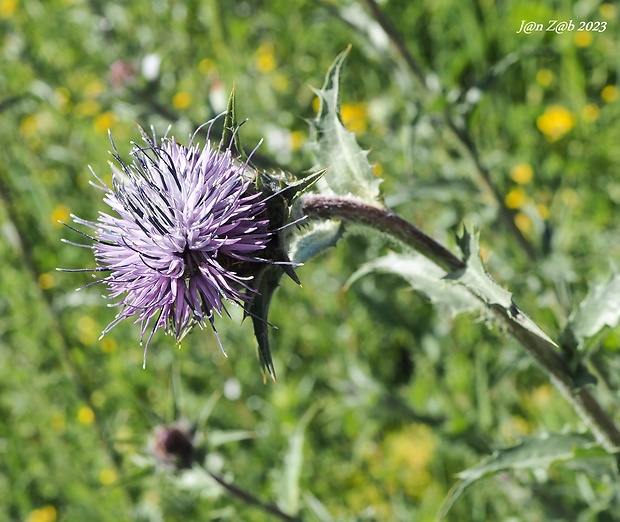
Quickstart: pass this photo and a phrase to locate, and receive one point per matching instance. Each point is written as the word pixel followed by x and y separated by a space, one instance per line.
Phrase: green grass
pixel 396 396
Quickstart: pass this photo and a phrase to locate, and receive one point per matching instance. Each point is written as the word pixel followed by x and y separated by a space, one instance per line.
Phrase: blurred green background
pixel 381 399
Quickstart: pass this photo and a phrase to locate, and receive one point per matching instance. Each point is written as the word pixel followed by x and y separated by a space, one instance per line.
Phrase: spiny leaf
pixel 281 191
pixel 475 277
pixel 531 453
pixel 425 277
pixel 314 239
pixel 279 201
pixel 295 188
pixel 268 282
pixel 600 308
pixel 335 147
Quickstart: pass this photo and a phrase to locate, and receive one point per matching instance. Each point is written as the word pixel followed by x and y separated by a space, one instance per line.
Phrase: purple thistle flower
pixel 187 235
pixel 174 444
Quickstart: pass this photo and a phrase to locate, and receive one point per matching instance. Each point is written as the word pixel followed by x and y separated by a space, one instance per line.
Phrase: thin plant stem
pixel 387 25
pixel 506 215
pixel 552 361
pixel 250 499
pixel 460 132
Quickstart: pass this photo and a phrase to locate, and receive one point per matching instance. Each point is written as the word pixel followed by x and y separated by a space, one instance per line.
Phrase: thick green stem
pixel 545 353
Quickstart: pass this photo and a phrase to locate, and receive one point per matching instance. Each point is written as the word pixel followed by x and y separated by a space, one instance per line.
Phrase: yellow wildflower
pixel 59 424
pixel 523 222
pixel 87 329
pixel 569 197
pixel 590 112
pixel 407 456
pixel 46 281
pixel 108 345
pixel 513 427
pixel 7 8
pixel 44 514
pixel 485 253
pixel 105 121
pixel 543 211
pixel 181 100
pixel 608 11
pixel 107 476
pixel 85 415
pixel 583 38
pixel 280 83
pixel 206 66
pixel 62 97
pixel 544 77
pixel 297 139
pixel 29 126
pixel 316 104
pixel 97 398
pixel 60 213
pixel 377 170
pixel 88 108
pixel 265 58
pixel 355 117
pixel 555 122
pixel 522 173
pixel 516 198
pixel 609 93
pixel 94 88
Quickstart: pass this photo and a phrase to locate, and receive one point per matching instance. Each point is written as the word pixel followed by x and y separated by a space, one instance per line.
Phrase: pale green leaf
pixel 475 278
pixel 219 437
pixel 288 491
pixel 425 277
pixel 316 507
pixel 600 308
pixel 336 148
pixel 313 239
pixel 531 453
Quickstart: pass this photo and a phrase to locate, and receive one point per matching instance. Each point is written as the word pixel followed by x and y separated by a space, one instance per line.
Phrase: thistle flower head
pixel 187 233
pixel 174 445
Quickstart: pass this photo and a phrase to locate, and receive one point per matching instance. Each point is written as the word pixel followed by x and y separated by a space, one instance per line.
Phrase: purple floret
pixel 186 222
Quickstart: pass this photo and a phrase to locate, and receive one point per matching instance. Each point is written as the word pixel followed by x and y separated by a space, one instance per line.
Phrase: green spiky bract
pixel 279 190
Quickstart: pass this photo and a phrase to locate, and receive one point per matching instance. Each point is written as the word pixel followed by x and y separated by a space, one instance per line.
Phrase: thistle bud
pixel 174 445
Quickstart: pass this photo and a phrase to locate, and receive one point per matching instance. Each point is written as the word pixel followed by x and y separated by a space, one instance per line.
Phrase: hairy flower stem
pixel 358 211
pixel 548 357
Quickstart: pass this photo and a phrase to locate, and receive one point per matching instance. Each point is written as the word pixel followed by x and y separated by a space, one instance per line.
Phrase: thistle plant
pixel 195 228
pixel 199 227
pixel 186 238
pixel 446 148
